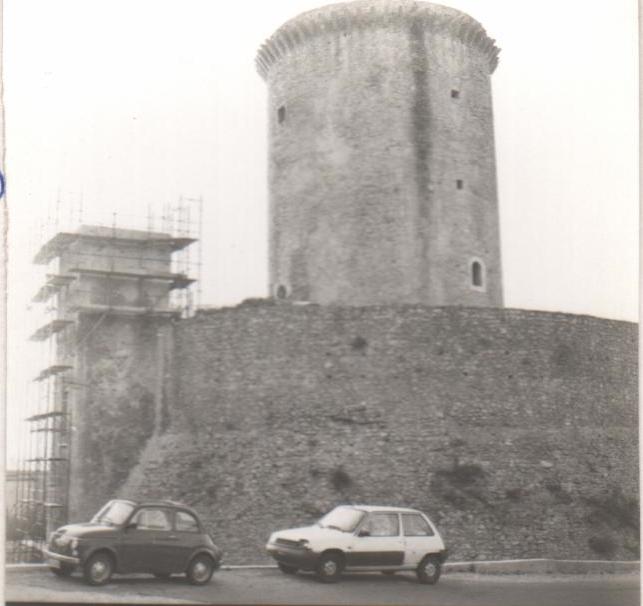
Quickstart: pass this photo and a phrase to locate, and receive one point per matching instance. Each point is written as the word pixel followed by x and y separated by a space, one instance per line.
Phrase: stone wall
pixel 516 431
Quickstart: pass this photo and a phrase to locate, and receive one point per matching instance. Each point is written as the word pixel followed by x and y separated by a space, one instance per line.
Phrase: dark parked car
pixel 157 537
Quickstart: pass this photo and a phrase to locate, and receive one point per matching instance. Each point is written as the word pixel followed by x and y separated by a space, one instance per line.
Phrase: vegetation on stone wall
pixel 611 515
pixel 340 480
pixel 459 484
pixel 117 415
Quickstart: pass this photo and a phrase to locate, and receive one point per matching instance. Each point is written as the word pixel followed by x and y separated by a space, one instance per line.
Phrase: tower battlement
pixel 362 14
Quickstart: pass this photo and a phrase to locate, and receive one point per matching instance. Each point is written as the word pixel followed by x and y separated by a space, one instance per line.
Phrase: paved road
pixel 269 586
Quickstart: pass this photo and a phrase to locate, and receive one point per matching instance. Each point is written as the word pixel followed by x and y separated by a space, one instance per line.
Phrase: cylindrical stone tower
pixel 381 162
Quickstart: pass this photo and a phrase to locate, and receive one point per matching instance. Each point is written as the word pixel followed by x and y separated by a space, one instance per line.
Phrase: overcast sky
pixel 130 104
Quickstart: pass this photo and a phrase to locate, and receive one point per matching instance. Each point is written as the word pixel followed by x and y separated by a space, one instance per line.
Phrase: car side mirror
pixel 363 533
pixel 131 526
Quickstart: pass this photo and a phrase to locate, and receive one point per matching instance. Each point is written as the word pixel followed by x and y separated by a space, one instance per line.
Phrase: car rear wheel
pixel 200 570
pixel 329 567
pixel 98 569
pixel 428 571
pixel 287 569
pixel 65 570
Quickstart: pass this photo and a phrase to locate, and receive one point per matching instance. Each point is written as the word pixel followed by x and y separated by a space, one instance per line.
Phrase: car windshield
pixel 114 513
pixel 342 518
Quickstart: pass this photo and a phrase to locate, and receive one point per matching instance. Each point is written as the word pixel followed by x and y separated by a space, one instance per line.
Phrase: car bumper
pixel 298 557
pixel 52 556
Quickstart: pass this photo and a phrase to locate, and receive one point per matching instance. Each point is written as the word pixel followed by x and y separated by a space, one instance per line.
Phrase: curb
pixel 10 567
pixel 544 566
pixel 533 566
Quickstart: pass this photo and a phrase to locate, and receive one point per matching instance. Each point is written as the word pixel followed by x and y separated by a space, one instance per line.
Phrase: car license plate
pixel 53 563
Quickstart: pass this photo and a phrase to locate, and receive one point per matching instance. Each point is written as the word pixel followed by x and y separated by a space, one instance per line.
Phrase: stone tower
pixel 381 156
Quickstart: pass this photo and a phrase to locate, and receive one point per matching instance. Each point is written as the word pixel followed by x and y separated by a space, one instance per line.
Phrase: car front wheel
pixel 200 570
pixel 428 571
pixel 329 567
pixel 98 569
pixel 287 569
pixel 65 570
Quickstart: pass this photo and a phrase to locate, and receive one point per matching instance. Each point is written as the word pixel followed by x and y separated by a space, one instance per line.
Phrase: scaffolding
pixel 118 266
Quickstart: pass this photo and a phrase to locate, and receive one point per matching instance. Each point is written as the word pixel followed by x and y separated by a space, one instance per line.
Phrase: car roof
pixel 371 508
pixel 158 503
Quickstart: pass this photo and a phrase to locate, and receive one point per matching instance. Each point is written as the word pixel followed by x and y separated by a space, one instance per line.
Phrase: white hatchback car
pixel 362 538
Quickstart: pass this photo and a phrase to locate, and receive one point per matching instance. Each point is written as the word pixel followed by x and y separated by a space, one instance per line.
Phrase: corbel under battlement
pixel 363 14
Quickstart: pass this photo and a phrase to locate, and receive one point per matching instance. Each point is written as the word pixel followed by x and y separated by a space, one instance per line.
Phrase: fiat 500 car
pixel 356 538
pixel 161 538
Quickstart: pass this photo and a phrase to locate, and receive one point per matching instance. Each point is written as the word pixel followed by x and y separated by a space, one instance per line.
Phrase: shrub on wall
pixel 615 510
pixel 604 545
pixel 359 343
pixel 340 480
pixel 462 475
pixel 555 488
pixel 460 484
pixel 118 434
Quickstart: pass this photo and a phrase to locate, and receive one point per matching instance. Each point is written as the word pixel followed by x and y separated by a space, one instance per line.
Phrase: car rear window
pixel 153 519
pixel 186 522
pixel 415 526
pixel 382 525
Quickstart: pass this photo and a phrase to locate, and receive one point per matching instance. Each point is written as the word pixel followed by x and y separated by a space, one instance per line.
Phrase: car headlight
pixel 61 541
pixel 304 543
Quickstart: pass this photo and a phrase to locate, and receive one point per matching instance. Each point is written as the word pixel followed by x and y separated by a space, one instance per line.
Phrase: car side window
pixel 152 518
pixel 186 522
pixel 381 525
pixel 416 526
